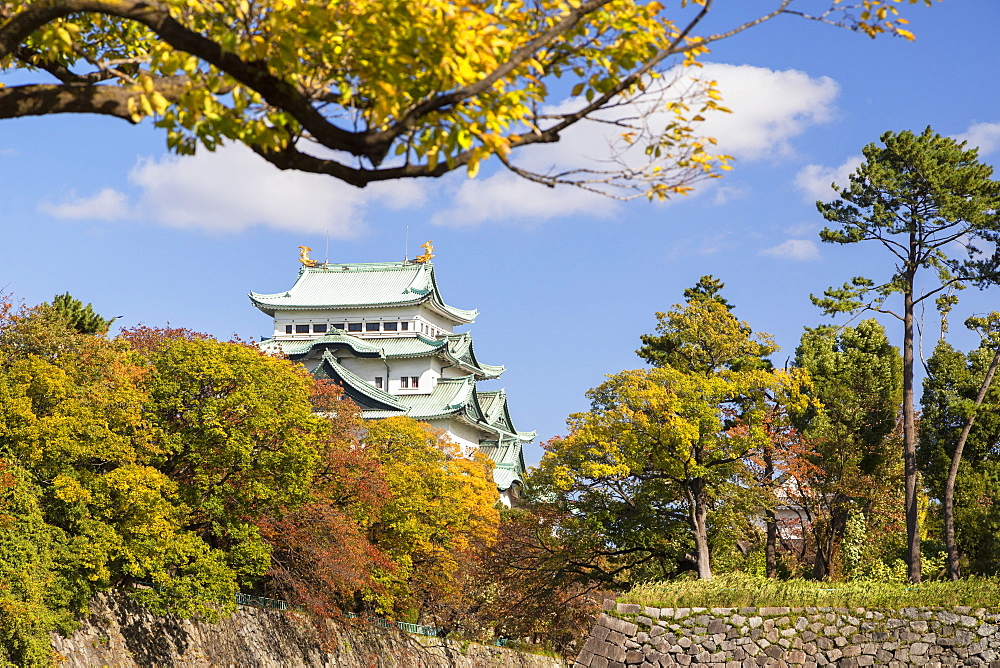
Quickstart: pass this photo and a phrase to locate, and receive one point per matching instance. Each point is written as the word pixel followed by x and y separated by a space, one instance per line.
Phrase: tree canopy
pixel 376 90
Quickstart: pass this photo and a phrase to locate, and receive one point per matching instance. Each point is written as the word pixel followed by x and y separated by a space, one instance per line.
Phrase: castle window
pixel 378 382
pixel 389 327
pixel 340 325
pixel 371 326
pixel 405 326
pixel 288 329
pixel 319 328
pixel 414 381
pixel 301 329
pixel 354 327
pixel 404 382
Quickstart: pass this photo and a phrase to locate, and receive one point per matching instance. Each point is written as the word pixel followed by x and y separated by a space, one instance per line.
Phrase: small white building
pixel 383 332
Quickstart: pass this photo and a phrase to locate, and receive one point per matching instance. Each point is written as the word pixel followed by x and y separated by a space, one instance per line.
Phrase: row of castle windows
pixel 317 328
pixel 350 327
pixel 405 382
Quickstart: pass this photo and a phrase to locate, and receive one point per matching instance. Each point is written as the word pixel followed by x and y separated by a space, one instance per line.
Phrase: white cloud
pixel 108 204
pixel 815 180
pixel 232 189
pixel 986 136
pixel 770 108
pixel 794 249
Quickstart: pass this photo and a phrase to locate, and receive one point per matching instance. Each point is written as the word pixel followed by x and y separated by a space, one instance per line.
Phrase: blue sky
pixel 565 282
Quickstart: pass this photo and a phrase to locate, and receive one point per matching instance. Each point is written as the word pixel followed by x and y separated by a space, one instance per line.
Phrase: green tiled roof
pixel 367 396
pixel 508 459
pixel 456 349
pixel 369 285
pixel 448 397
pixel 297 348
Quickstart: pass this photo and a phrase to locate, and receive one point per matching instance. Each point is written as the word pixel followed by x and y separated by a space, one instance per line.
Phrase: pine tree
pixel 917 196
pixel 82 318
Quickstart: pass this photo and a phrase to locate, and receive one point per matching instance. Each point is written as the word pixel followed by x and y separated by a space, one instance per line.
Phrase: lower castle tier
pixel 382 331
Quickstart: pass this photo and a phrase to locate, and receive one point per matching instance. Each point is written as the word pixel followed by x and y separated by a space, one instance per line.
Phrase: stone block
pixel 615 653
pixel 866 660
pixel 615 624
pixel 599 662
pixel 656 630
pixel 593 645
pixel 585 657
pixel 754 622
pixel 616 638
pixel 634 658
pixel 629 608
pixel 645 621
pixel 717 626
pixel 608 604
pixel 600 632
pixel 851 650
pixel 773 612
pixel 651 612
pixel 796 657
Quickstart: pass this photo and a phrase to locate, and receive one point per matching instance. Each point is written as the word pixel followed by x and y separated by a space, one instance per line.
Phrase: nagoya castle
pixel 383 333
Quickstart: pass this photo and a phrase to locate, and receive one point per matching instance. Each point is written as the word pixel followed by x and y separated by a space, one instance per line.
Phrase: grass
pixel 737 590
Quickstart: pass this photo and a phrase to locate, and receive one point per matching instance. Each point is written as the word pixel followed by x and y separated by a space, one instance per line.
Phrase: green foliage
pixel 857 377
pixel 853 474
pixel 35 597
pixel 734 589
pixel 81 318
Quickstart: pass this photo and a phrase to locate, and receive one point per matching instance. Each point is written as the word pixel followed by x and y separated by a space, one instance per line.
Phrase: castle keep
pixel 383 332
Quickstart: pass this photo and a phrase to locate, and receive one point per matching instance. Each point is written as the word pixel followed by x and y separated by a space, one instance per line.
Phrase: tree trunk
pixel 910 430
pixel 956 459
pixel 771 546
pixel 770 521
pixel 699 525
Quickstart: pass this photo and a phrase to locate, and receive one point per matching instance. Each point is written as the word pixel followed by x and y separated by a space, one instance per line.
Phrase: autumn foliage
pixel 182 469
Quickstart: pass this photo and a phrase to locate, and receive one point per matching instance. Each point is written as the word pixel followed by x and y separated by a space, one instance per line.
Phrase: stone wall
pixel 809 636
pixel 119 634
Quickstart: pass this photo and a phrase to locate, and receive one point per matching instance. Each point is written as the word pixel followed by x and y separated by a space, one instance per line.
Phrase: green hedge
pixel 737 590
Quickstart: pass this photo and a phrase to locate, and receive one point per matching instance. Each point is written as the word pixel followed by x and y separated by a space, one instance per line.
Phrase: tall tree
pixel 679 434
pixel 955 391
pixel 917 196
pixel 391 89
pixel 856 375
